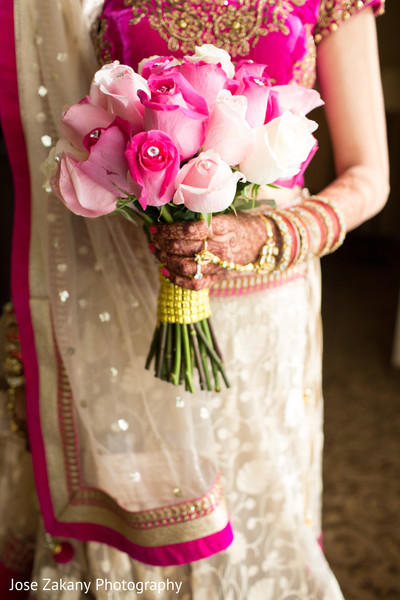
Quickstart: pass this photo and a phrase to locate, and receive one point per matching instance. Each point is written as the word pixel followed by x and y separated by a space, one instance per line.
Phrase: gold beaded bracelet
pixel 265 263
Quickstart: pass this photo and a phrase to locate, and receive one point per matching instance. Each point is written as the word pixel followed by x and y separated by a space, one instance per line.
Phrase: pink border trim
pixel 15 141
pixel 14 136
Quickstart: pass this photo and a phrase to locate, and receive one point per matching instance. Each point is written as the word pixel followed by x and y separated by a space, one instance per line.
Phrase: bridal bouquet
pixel 181 140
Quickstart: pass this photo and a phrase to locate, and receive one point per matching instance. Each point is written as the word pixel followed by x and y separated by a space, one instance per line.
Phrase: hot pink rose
pixel 206 184
pixel 91 188
pixel 80 119
pixel 207 79
pixel 156 65
pixel 228 132
pixel 176 109
pixel 115 88
pixel 153 161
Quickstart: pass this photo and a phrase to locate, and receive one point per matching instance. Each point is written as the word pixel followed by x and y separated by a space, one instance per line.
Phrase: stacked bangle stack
pixel 313 228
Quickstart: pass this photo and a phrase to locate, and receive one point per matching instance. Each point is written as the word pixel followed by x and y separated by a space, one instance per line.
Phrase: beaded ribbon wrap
pixel 177 305
pixel 183 339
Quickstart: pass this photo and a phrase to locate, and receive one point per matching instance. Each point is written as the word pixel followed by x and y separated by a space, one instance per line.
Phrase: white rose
pixel 214 56
pixel 281 146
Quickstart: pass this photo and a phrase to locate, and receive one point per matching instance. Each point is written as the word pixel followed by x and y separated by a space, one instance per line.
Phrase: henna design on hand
pixel 232 237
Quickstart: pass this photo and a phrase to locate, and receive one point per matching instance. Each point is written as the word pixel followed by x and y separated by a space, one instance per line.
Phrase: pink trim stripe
pixel 15 141
pixel 163 556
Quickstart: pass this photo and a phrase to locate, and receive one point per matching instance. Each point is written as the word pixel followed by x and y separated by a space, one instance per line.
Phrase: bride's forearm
pixel 359 193
pixel 349 77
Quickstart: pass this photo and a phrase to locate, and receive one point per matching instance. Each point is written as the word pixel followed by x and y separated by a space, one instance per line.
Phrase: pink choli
pixel 281 34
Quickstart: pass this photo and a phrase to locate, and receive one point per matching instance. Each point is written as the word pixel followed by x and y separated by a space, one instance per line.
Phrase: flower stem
pixel 217 385
pixel 188 359
pixel 153 347
pixel 166 215
pixel 212 352
pixel 204 360
pixel 176 373
pixel 195 345
pixel 160 357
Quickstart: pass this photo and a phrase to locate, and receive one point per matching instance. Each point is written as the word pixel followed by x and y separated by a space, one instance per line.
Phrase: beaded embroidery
pixel 184 25
pixel 334 12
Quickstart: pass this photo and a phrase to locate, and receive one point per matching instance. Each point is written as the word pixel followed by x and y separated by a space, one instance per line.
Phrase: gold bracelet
pixel 266 262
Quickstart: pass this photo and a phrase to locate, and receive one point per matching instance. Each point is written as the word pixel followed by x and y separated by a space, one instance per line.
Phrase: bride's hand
pixel 234 238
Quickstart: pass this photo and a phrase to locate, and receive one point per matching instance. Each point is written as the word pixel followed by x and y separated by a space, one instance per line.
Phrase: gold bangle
pixel 287 240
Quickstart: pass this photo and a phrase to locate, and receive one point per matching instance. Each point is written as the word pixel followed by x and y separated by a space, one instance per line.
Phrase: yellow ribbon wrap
pixel 177 305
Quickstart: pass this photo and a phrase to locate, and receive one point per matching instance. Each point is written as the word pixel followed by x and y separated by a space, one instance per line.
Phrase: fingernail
pixel 164 272
pixel 152 248
pixel 153 229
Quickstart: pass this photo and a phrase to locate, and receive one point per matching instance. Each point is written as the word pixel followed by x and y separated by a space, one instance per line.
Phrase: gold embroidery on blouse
pixel 184 25
pixel 333 13
pixel 304 69
pixel 102 46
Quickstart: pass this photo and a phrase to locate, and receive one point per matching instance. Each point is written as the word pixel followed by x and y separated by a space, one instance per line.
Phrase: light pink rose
pixel 260 100
pixel 91 188
pixel 176 109
pixel 297 99
pixel 228 132
pixel 153 161
pixel 80 119
pixel 206 184
pixel 115 88
pixel 207 79
pixel 281 146
pixel 209 53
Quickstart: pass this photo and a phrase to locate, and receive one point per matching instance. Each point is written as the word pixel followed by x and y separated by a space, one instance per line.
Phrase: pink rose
pixel 207 79
pixel 156 65
pixel 297 99
pixel 176 109
pixel 280 148
pixel 91 188
pixel 206 184
pixel 80 119
pixel 248 68
pixel 261 101
pixel 208 53
pixel 115 88
pixel 153 161
pixel 228 132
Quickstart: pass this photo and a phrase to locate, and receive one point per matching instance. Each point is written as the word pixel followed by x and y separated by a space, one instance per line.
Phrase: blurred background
pixel 361 284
